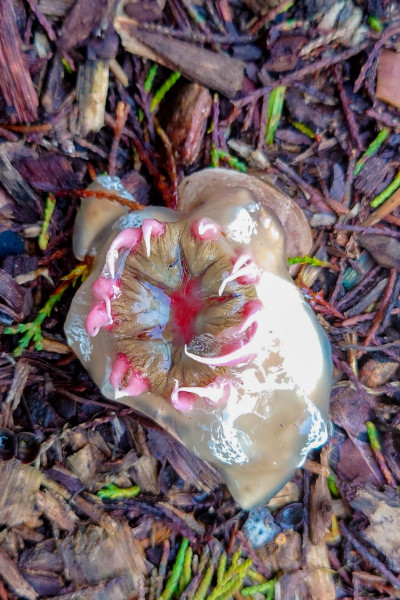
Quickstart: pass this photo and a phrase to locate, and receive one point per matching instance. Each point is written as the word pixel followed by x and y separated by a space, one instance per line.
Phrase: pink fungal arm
pixel 126 240
pixel 244 270
pixel 104 291
pixel 135 383
pixel 151 228
pixel 218 391
pixel 205 229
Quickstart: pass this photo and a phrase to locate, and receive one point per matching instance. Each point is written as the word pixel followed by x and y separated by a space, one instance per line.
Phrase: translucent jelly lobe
pixel 194 321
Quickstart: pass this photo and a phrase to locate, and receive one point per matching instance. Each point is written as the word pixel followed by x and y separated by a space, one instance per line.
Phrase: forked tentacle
pixel 126 240
pixel 151 228
pixel 96 319
pixel 244 270
pixel 183 398
pixel 243 347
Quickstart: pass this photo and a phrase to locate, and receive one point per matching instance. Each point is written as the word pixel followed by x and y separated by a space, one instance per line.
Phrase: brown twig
pixel 173 176
pixel 25 129
pixel 386 35
pixel 318 302
pixel 367 556
pixel 145 155
pixel 121 115
pixel 385 118
pixel 315 197
pixel 376 448
pixel 112 196
pixel 352 321
pixel 380 213
pixel 44 22
pixel 270 16
pixel 348 113
pixel 383 305
pixel 350 178
pixel 355 292
pixel 300 74
pixel 263 121
pixel 362 229
pixel 197 36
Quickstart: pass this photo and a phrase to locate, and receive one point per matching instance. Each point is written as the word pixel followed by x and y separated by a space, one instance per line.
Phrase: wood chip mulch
pixel 83 91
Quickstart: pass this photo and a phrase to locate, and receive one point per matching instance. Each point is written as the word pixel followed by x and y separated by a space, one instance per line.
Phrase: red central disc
pixel 186 304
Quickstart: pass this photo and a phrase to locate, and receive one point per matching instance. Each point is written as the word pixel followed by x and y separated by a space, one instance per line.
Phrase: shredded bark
pixel 86 88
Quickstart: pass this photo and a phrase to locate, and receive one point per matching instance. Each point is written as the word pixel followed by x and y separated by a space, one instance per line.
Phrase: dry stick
pixel 339 568
pixel 44 22
pixel 3 592
pixel 263 121
pixel 391 30
pixel 352 321
pixel 162 569
pixel 347 198
pixel 385 118
pixel 26 129
pixel 354 379
pixel 318 302
pixel 376 448
pixel 11 575
pixel 173 176
pixel 362 229
pixel 338 283
pixel 384 209
pixel 109 195
pixel 391 306
pixel 196 36
pixel 348 113
pixel 380 313
pixel 315 197
pixel 121 115
pixel 300 74
pixel 392 219
pixel 159 179
pixel 306 526
pixel 353 293
pixel 270 16
pixel 374 562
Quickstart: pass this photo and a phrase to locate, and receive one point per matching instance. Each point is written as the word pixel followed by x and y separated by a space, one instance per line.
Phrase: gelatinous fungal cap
pixel 192 319
pixel 96 214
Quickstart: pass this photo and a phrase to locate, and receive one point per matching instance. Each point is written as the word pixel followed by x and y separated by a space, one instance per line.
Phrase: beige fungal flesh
pixel 191 318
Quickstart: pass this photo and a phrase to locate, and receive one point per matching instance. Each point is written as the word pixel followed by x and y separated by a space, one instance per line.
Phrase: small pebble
pixel 260 527
pixel 10 243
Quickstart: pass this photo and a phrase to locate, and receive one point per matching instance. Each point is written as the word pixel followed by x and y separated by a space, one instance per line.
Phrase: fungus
pixel 191 318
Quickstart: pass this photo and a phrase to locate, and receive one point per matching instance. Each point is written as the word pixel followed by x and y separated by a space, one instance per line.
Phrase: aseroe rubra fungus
pixel 191 317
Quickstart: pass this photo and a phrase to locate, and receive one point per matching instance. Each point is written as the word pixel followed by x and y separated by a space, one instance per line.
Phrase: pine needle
pixel 113 492
pixel 387 192
pixel 308 260
pixel 173 580
pixel 33 331
pixel 217 154
pixel 163 90
pixel 372 148
pixel 186 574
pixel 149 79
pixel 267 588
pixel 44 237
pixel 205 584
pixel 274 112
